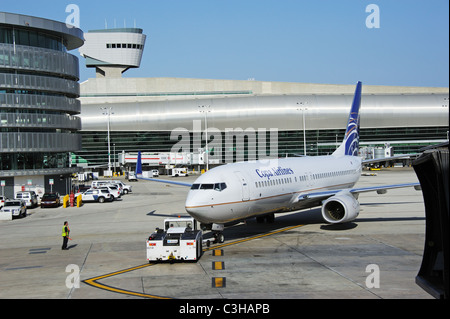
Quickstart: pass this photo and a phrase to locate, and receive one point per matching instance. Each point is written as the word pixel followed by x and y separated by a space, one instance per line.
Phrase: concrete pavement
pixel 376 256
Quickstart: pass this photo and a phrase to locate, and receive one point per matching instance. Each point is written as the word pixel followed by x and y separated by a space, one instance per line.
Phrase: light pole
pixel 107 111
pixel 114 156
pixel 205 109
pixel 303 108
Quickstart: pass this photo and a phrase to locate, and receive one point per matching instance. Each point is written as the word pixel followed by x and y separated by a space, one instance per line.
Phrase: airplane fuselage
pixel 241 190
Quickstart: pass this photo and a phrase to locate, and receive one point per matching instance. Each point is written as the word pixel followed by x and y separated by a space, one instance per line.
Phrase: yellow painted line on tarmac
pixel 219 283
pixel 253 237
pixel 94 283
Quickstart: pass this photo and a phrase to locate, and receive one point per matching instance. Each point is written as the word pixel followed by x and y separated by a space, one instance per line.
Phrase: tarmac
pixel 377 256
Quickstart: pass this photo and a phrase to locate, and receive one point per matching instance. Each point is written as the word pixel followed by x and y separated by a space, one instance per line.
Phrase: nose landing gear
pixel 217 230
pixel 219 238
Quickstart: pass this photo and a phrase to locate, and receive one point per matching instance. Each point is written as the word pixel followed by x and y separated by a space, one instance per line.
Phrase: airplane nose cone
pixel 195 208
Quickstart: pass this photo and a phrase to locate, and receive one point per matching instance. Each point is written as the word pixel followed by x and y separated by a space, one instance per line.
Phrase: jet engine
pixel 340 208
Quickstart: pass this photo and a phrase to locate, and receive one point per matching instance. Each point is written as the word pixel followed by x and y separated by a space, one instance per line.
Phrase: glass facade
pixel 39 93
pixel 290 143
pixel 33 161
pixel 32 38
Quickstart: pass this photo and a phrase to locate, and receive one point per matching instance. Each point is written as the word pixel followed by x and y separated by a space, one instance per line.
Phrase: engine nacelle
pixel 340 208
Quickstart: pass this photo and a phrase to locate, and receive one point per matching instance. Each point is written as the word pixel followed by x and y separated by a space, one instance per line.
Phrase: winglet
pixel 350 145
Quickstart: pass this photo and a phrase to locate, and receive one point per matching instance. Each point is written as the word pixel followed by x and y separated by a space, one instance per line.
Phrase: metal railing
pixel 39 83
pixel 20 57
pixel 40 102
pixel 28 120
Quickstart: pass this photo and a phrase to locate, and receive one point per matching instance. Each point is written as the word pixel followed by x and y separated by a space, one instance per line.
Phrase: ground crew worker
pixel 65 235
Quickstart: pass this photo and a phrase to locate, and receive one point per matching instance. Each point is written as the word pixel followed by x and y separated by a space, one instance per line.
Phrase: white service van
pixel 29 197
pixel 155 172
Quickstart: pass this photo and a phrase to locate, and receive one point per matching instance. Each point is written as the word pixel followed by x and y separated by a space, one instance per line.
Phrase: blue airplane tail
pixel 139 164
pixel 350 145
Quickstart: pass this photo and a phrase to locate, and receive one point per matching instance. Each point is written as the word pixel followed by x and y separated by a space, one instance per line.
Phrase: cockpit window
pixel 217 186
pixel 220 186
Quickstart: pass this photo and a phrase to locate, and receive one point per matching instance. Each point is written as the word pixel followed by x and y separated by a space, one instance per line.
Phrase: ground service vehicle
pixel 179 172
pixel 178 240
pixel 113 190
pixel 155 172
pixel 29 197
pixel 17 207
pixel 124 187
pixel 96 195
pixel 132 177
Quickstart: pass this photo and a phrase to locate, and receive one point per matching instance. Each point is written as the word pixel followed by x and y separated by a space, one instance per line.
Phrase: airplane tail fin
pixel 139 164
pixel 350 144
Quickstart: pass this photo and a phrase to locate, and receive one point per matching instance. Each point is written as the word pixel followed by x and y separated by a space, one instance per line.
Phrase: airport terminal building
pixel 145 113
pixel 153 115
pixel 39 103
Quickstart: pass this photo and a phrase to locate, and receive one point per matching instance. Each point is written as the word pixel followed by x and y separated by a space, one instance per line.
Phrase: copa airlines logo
pixel 352 139
pixel 274 171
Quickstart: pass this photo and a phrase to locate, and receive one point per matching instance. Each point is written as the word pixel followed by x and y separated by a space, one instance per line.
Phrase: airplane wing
pixel 386 159
pixel 164 181
pixel 320 196
pixel 383 189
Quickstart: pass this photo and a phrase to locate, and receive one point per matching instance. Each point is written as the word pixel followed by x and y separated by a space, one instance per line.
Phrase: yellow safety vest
pixel 64 234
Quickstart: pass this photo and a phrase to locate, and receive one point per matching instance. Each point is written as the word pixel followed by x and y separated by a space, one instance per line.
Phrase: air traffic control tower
pixel 113 51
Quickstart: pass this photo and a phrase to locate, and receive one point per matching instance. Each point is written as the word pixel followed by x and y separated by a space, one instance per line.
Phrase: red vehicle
pixel 50 200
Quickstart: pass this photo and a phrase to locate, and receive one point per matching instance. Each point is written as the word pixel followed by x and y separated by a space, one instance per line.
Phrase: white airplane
pixel 238 191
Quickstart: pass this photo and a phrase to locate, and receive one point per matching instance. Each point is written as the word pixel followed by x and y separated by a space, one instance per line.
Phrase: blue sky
pixel 321 41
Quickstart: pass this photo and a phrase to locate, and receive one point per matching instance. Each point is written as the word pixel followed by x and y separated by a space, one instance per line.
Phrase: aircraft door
pixel 245 187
